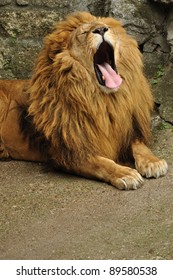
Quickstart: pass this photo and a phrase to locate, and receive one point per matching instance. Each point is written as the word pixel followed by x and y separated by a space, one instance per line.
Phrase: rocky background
pixel 24 23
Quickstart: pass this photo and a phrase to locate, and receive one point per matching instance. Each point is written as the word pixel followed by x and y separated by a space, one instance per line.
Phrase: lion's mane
pixel 69 108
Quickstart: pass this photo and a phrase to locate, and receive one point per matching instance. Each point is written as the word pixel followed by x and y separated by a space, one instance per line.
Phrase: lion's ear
pixel 53 50
pixel 56 42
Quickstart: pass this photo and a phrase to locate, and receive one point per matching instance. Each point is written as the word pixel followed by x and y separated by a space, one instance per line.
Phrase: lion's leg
pixel 147 164
pixel 107 170
pixel 12 142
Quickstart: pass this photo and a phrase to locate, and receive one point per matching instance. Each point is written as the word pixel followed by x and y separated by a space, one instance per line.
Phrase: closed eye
pixel 85 32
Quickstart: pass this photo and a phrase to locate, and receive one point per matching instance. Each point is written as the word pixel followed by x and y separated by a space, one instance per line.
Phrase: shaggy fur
pixel 82 126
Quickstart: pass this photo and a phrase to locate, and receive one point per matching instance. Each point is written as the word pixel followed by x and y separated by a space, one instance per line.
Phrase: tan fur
pixel 89 127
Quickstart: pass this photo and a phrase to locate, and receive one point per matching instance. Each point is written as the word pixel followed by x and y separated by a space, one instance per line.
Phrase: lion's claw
pixel 154 169
pixel 130 181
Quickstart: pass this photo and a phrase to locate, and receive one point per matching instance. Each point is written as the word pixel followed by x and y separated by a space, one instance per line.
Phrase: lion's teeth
pixel 103 77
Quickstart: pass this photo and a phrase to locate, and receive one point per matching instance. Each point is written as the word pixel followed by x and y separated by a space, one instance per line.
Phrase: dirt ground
pixel 47 215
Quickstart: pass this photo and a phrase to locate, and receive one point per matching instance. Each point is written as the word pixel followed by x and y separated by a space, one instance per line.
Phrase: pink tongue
pixel 111 78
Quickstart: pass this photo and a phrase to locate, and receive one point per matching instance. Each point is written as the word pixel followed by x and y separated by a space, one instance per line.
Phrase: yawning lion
pixel 87 106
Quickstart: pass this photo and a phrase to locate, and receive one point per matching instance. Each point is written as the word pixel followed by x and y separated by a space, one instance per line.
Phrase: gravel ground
pixel 47 215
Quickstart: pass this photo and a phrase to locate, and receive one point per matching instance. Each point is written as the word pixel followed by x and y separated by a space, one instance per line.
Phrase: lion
pixel 87 108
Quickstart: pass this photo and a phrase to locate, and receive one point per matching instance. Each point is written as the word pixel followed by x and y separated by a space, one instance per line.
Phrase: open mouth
pixel 105 68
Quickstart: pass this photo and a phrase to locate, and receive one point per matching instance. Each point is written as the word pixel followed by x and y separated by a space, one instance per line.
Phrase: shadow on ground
pixel 46 215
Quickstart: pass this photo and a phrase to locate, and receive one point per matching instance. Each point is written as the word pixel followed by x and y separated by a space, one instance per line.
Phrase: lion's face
pixel 96 46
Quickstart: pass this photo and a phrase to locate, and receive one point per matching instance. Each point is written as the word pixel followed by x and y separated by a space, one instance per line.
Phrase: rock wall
pixel 24 23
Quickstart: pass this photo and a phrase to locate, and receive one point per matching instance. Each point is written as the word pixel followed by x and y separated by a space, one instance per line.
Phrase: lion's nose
pixel 101 30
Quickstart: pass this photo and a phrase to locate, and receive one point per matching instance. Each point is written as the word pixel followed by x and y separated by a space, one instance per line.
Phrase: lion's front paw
pixel 152 168
pixel 130 180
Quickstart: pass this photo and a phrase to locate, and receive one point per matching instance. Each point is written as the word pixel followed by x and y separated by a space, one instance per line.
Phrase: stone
pixel 27 23
pixel 1 61
pixel 96 7
pixel 17 57
pixel 5 2
pixel 138 17
pixel 164 1
pixel 58 4
pixel 22 2
pixel 152 61
pixel 127 12
pixel 170 32
pixel 163 94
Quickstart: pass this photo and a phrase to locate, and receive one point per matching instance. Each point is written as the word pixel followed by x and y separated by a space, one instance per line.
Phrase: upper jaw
pixel 105 67
pixel 104 54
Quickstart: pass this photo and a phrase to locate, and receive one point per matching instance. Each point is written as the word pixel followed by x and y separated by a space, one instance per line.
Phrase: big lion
pixel 87 108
